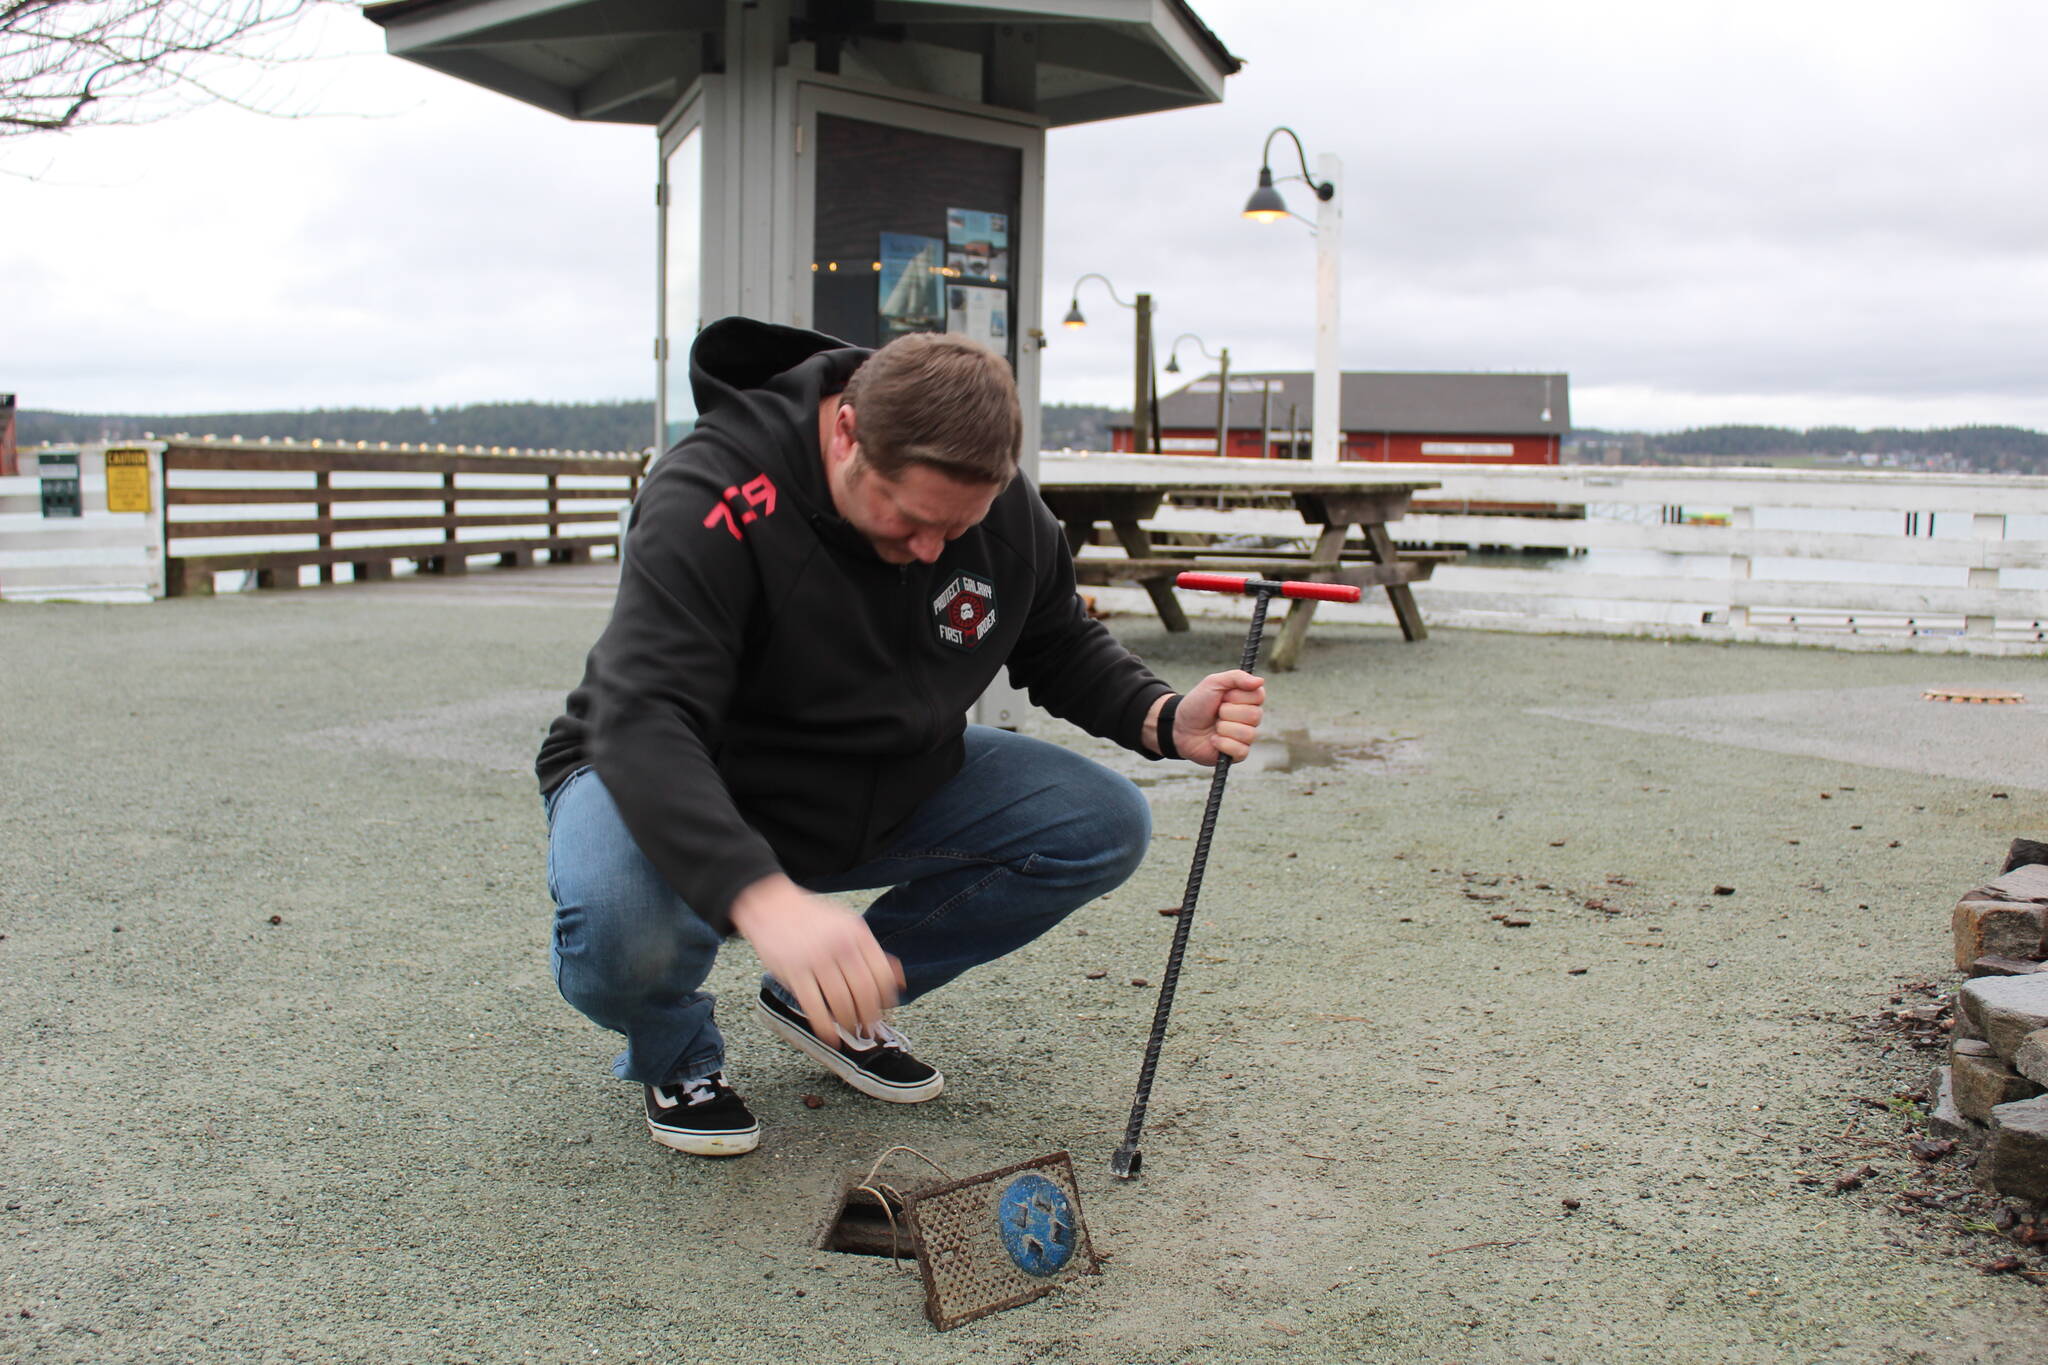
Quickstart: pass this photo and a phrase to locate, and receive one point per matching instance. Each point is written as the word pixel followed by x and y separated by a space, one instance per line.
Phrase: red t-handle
pixel 1246 583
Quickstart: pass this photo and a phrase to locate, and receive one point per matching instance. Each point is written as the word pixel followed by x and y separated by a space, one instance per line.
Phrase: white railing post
pixel 1984 526
pixel 155 567
pixel 1740 521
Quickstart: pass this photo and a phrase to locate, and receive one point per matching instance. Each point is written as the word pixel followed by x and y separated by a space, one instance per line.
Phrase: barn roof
pixel 1464 404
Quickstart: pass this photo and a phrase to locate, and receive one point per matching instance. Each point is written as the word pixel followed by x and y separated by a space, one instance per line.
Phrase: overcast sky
pixel 1801 212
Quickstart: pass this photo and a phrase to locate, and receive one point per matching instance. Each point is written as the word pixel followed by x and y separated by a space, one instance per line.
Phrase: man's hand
pixel 1219 716
pixel 822 953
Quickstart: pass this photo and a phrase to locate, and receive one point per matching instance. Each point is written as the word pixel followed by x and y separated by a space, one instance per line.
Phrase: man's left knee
pixel 1119 825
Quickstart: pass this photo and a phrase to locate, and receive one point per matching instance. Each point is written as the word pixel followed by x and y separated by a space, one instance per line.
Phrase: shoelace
pixel 882 1035
pixel 704 1089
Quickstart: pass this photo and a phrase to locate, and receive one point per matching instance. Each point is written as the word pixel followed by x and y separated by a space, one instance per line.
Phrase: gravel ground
pixel 287 1079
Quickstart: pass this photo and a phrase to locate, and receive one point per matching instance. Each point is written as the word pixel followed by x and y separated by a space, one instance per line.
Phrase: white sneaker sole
pixel 826 1057
pixel 707 1144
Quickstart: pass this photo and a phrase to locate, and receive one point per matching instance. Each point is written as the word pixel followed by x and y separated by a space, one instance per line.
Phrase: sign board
pixel 60 485
pixel 1471 450
pixel 128 480
pixel 1236 386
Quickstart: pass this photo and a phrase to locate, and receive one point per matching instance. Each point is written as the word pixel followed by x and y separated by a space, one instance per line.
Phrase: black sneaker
pixel 880 1065
pixel 704 1117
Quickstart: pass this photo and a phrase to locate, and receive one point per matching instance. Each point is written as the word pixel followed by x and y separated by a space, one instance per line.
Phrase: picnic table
pixel 1124 492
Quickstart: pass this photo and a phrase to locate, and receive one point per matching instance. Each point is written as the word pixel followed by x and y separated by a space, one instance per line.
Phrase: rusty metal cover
pixel 998 1240
pixel 1979 696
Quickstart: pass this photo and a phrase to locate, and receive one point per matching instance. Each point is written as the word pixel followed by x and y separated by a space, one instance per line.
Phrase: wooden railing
pixel 275 510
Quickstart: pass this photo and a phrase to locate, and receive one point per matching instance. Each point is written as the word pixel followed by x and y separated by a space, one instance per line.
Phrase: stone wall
pixel 1994 1090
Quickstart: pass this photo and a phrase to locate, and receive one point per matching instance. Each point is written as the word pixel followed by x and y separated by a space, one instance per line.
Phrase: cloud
pixel 1823 202
pixel 1732 211
pixel 422 242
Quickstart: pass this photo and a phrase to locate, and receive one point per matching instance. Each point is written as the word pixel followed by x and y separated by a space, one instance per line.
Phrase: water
pixel 1664 564
pixel 1712 570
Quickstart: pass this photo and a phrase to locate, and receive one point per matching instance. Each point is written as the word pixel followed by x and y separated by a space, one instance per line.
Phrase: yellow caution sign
pixel 128 480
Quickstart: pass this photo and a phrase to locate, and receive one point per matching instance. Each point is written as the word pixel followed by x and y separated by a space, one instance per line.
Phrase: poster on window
pixel 911 298
pixel 978 246
pixel 980 314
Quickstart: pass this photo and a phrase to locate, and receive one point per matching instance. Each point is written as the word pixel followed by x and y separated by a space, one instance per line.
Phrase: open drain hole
pixel 861 1227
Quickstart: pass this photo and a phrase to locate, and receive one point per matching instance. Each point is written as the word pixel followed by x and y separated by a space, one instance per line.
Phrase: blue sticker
pixel 1037 1221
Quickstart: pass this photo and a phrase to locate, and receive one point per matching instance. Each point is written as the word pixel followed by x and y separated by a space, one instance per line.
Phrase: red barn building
pixel 1403 418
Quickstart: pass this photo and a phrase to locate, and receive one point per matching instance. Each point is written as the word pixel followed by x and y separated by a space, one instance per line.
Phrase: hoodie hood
pixel 758 385
pixel 736 354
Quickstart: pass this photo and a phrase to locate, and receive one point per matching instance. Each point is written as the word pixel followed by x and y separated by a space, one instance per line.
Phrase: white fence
pixel 1861 559
pixel 99 554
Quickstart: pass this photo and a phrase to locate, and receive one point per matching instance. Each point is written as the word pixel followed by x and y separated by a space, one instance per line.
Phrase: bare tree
pixel 69 63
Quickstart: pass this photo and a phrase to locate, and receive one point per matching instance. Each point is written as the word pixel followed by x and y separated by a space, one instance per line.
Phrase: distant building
pixel 1403 418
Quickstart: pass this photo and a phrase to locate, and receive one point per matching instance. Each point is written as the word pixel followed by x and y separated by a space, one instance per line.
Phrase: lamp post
pixel 1222 384
pixel 1142 434
pixel 1266 206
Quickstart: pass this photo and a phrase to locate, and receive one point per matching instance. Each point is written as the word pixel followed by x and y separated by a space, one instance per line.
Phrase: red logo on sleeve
pixel 744 504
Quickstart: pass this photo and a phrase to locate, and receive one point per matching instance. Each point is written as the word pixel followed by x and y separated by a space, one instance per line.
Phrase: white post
pixel 155 548
pixel 1984 526
pixel 1223 405
pixel 1328 437
pixel 1740 520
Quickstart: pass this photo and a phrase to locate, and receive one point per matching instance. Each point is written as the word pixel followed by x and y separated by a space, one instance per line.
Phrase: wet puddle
pixel 1300 750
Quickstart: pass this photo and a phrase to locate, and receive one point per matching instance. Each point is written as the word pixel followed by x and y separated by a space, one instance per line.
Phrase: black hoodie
pixel 770 695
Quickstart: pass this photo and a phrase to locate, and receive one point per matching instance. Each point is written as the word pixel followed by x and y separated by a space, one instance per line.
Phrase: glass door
pixel 918 218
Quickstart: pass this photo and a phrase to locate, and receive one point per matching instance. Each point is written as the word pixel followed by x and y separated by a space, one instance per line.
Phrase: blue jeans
pixel 1024 834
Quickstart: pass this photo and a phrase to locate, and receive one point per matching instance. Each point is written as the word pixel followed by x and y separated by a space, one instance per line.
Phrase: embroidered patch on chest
pixel 965 612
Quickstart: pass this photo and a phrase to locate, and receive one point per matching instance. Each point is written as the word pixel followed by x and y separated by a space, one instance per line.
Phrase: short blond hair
pixel 937 400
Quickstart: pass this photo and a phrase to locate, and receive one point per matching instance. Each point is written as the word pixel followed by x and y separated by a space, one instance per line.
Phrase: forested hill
pixel 539 426
pixel 628 426
pixel 1990 450
pixel 535 426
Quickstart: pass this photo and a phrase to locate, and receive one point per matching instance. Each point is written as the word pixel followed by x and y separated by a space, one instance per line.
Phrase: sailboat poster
pixel 910 293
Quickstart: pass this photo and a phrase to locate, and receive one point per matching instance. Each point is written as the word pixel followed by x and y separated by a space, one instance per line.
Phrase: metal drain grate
pixel 998 1240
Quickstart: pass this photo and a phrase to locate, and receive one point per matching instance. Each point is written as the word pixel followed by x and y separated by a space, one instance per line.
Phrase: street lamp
pixel 1142 434
pixel 1266 206
pixel 1222 384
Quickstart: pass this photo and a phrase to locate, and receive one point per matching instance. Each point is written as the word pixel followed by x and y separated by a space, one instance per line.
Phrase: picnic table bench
pixel 1124 494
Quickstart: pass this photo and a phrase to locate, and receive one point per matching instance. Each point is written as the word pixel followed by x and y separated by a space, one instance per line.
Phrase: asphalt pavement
pixel 287 1079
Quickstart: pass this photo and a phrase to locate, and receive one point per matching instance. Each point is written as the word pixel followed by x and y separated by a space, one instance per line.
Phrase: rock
pixel 1983 1083
pixel 1970 1047
pixel 1985 927
pixel 2023 852
pixel 2005 1009
pixel 2005 966
pixel 2007 917
pixel 2031 1057
pixel 2025 883
pixel 2015 1160
pixel 1946 1118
